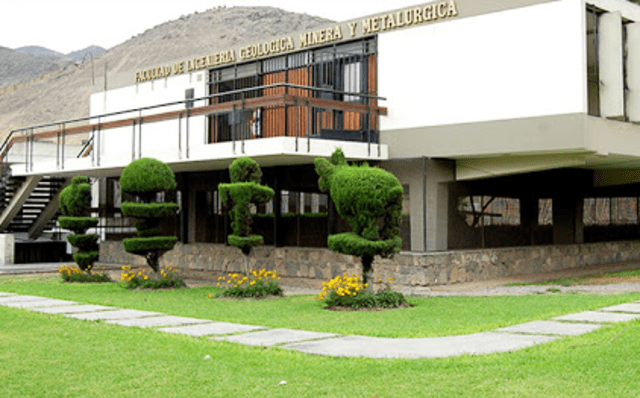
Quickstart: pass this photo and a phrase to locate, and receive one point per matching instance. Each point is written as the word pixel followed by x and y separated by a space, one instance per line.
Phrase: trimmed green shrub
pixel 142 245
pixel 244 190
pixel 146 175
pixel 370 201
pixel 145 178
pixel 77 223
pixel 75 202
pixel 149 210
pixel 85 260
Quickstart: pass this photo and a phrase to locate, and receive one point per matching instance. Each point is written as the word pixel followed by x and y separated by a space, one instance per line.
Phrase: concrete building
pixel 510 124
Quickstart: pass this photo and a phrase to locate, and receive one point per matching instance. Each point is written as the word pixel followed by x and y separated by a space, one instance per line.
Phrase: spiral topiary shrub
pixel 75 201
pixel 244 190
pixel 145 178
pixel 370 201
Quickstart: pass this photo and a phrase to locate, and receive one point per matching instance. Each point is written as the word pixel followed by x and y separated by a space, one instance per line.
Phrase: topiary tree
pixel 145 178
pixel 370 201
pixel 75 202
pixel 244 190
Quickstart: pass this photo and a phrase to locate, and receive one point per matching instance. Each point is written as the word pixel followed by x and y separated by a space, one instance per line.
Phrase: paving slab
pixel 111 315
pixel 210 329
pixel 73 309
pixel 597 317
pixel 629 307
pixel 551 328
pixel 20 298
pixel 168 320
pixel 273 337
pixel 39 303
pixel 434 347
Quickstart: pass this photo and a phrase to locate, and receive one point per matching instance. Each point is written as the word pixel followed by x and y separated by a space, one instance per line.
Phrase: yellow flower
pixel 210 295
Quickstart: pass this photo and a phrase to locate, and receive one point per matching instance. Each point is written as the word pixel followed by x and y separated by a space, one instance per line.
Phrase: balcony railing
pixel 277 110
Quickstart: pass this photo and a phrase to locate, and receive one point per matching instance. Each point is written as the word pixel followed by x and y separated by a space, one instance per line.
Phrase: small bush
pixel 149 210
pixel 351 292
pixel 147 244
pixel 75 274
pixel 258 284
pixel 77 223
pixel 147 175
pixel 166 278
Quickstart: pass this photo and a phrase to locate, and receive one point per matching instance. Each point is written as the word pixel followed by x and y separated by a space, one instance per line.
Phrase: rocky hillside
pixel 17 66
pixel 64 94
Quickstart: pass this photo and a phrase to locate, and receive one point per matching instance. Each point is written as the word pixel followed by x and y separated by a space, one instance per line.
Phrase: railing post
pixel 368 130
pixel 241 124
pixel 140 136
pixel 97 144
pixel 180 136
pixel 33 144
pixel 58 150
pixel 93 153
pixel 309 124
pixel 233 136
pixel 64 138
pixel 133 141
pixel 26 154
pixel 186 138
pixel 296 109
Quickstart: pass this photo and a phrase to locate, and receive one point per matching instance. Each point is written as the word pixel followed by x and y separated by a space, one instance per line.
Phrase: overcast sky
pixel 70 25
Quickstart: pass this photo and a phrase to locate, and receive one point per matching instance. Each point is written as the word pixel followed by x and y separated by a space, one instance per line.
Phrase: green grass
pixel 430 317
pixel 631 275
pixel 52 356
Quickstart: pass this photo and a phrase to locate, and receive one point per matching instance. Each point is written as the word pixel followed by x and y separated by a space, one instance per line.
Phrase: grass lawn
pixel 52 356
pixel 430 317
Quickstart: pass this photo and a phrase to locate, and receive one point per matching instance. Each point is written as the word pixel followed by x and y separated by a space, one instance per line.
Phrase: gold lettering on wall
pixel 395 20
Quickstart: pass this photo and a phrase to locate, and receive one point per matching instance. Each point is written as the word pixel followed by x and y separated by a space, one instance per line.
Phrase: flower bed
pixel 165 278
pixel 348 292
pixel 256 284
pixel 90 275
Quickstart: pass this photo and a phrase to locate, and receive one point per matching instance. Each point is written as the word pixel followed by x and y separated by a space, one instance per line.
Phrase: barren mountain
pixel 64 94
pixel 39 51
pixel 18 66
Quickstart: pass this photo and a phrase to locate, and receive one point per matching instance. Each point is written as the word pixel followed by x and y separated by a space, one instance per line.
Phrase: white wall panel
pixel 160 140
pixel 610 58
pixel 633 71
pixel 512 64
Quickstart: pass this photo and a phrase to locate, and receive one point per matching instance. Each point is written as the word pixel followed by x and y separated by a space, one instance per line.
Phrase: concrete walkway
pixel 501 340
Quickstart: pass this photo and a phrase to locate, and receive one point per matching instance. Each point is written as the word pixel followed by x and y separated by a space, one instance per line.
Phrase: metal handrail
pixel 6 142
pixel 84 147
pixel 10 137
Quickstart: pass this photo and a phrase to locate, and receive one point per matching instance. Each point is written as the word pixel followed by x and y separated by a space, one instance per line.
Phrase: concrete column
pixel 633 71
pixel 568 226
pixel 529 216
pixel 610 59
pixel 429 197
pixel 7 249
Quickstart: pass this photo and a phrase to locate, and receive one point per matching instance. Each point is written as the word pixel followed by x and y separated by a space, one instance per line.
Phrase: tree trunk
pixel 367 270
pixel 246 265
pixel 153 260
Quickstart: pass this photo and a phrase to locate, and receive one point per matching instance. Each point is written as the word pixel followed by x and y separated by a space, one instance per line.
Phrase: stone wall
pixel 308 267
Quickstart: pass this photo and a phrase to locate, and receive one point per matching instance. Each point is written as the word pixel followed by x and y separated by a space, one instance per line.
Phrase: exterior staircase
pixel 29 204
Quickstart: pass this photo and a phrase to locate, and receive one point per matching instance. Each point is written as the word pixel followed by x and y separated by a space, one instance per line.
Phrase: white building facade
pixel 508 123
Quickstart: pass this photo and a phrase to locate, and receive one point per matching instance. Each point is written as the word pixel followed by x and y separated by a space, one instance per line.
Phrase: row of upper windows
pixel 608 65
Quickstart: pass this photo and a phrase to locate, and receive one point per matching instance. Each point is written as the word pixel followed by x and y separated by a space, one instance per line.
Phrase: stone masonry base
pixel 309 267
